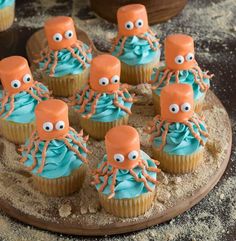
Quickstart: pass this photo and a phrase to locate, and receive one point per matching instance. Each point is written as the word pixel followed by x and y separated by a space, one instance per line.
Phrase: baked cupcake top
pixel 103 99
pixel 125 171
pixel 6 3
pixel 65 54
pixel 135 43
pixel 20 93
pixel 55 149
pixel 178 130
pixel 180 67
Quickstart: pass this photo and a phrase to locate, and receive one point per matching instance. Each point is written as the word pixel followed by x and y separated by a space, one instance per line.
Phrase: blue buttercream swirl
pixel 6 3
pixel 179 140
pixel 137 51
pixel 126 185
pixel 185 77
pixel 24 106
pixel 66 63
pixel 106 111
pixel 60 160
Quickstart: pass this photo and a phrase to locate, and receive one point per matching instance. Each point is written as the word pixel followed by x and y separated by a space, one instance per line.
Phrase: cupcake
pixel 103 103
pixel 55 154
pixel 180 67
pixel 18 99
pixel 178 135
pixel 126 177
pixel 65 62
pixel 135 45
pixel 7 14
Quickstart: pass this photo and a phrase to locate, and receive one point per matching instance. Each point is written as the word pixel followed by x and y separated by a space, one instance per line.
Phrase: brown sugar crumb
pixel 65 210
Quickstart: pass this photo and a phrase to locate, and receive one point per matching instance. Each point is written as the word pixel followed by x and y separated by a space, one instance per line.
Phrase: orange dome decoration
pixel 177 103
pixel 52 119
pixel 105 74
pixel 132 20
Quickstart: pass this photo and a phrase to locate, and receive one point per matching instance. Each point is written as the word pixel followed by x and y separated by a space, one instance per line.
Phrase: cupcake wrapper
pixel 98 130
pixel 139 74
pixel 127 208
pixel 178 164
pixel 65 86
pixel 7 15
pixel 62 186
pixel 157 107
pixel 17 133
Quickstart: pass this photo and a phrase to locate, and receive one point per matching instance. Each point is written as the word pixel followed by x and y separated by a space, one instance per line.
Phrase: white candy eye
pixel 186 107
pixel 104 81
pixel 15 84
pixel 139 23
pixel 48 126
pixel 189 57
pixel 115 79
pixel 69 34
pixel 174 108
pixel 133 155
pixel 60 125
pixel 27 78
pixel 119 157
pixel 129 25
pixel 179 59
pixel 57 37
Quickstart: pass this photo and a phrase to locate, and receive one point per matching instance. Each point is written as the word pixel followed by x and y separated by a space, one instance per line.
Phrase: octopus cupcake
pixel 126 177
pixel 55 154
pixel 7 14
pixel 103 103
pixel 180 67
pixel 135 45
pixel 65 62
pixel 18 99
pixel 178 135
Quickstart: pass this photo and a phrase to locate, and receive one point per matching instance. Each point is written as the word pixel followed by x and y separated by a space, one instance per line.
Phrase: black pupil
pixel 70 34
pixel 61 126
pixel 28 79
pixel 15 85
pixel 186 108
pixel 139 23
pixel 190 57
pixel 179 60
pixel 117 159
pixel 103 83
pixel 173 109
pixel 134 156
pixel 57 38
pixel 128 26
pixel 47 128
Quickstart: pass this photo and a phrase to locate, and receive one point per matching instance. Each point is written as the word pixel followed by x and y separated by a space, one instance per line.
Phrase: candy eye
pixel 174 108
pixel 15 84
pixel 186 107
pixel 104 81
pixel 133 155
pixel 48 126
pixel 189 57
pixel 119 157
pixel 57 37
pixel 60 125
pixel 27 78
pixel 139 23
pixel 115 79
pixel 179 59
pixel 69 34
pixel 129 25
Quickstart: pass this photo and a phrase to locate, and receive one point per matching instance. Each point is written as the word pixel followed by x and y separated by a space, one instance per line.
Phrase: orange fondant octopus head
pixel 105 74
pixel 132 20
pixel 179 52
pixel 15 74
pixel 123 147
pixel 177 102
pixel 60 32
pixel 52 119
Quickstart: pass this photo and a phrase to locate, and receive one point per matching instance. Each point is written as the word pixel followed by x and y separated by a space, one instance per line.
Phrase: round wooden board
pixel 72 227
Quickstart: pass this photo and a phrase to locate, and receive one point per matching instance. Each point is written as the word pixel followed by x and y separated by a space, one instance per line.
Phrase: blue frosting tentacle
pixel 126 185
pixel 6 3
pixel 24 106
pixel 179 140
pixel 137 51
pixel 106 111
pixel 60 161
pixel 66 63
pixel 185 77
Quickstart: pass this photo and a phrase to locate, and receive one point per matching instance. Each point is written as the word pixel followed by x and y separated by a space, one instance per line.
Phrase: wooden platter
pixel 75 227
